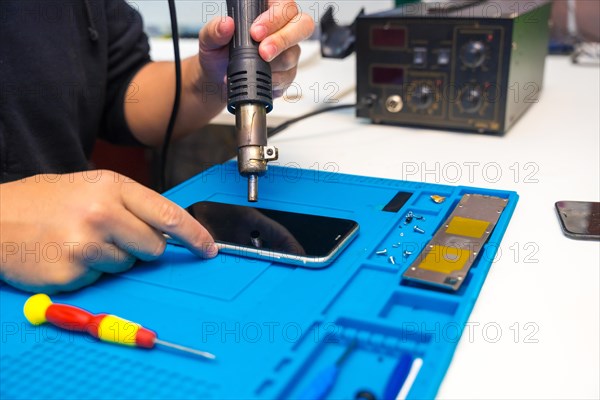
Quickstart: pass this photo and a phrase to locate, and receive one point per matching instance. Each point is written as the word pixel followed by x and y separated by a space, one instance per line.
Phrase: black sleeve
pixel 128 51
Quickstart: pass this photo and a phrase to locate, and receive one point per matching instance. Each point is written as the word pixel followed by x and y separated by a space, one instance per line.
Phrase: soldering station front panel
pixel 476 69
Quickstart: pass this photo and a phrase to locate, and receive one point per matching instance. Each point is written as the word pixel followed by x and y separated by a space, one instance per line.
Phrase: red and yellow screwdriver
pixel 109 328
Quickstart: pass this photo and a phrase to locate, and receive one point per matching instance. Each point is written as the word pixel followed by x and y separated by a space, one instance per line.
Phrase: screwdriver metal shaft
pixel 200 353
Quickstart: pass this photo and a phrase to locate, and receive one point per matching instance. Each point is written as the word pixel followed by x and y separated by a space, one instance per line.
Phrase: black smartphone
pixel 579 219
pixel 312 241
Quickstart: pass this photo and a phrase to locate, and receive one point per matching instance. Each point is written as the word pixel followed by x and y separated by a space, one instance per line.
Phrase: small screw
pixel 409 217
pixel 392 260
pixel 407 253
pixel 270 152
pixel 395 246
pixel 381 252
pixel 418 230
pixel 438 199
pixel 420 217
pixel 401 233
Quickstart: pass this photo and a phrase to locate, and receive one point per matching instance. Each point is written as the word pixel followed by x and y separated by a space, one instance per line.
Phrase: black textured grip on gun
pixel 248 75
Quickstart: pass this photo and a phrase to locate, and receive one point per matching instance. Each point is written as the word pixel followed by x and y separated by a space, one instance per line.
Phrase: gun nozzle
pixel 253 188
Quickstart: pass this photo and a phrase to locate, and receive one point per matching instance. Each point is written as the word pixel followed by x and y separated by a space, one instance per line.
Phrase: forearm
pixel 150 97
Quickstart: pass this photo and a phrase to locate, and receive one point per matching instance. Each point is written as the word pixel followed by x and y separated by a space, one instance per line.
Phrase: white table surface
pixel 535 329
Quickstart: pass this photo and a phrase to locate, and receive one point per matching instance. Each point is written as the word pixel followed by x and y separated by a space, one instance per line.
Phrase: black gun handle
pixel 248 75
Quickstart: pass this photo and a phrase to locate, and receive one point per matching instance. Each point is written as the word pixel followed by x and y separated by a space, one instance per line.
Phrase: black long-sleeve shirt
pixel 65 67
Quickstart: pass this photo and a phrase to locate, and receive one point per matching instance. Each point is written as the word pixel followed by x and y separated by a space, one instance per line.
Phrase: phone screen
pixel 306 237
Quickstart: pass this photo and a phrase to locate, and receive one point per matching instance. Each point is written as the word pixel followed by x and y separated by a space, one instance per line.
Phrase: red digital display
pixel 383 75
pixel 388 37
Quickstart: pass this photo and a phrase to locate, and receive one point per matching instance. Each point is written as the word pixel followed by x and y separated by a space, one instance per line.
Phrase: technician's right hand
pixel 61 232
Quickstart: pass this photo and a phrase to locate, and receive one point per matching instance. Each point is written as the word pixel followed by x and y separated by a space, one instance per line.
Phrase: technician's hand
pixel 61 232
pixel 279 30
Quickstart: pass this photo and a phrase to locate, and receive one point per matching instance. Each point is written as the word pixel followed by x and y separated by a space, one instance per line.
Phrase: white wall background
pixel 193 14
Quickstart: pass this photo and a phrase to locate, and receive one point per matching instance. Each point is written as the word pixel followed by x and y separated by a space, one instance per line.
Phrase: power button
pixel 443 57
pixel 420 56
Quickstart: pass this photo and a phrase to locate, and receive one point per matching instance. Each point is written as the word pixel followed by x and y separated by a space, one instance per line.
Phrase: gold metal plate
pixel 447 258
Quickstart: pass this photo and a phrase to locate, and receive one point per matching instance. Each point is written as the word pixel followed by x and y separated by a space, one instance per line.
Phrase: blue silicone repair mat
pixel 272 327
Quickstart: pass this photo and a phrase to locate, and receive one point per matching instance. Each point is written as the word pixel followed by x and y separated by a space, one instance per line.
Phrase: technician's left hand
pixel 278 30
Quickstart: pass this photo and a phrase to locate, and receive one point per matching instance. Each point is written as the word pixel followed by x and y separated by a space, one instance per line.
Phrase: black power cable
pixel 175 110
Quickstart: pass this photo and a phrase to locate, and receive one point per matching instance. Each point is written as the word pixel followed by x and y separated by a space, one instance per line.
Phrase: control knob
pixel 472 53
pixel 471 99
pixel 422 96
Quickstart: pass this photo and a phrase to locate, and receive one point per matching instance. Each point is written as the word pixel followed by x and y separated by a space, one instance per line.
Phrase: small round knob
pixel 472 54
pixel 394 103
pixel 471 99
pixel 422 96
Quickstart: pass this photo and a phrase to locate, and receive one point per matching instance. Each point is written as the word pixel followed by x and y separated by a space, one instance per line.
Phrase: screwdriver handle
pixel 39 309
pixel 73 318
